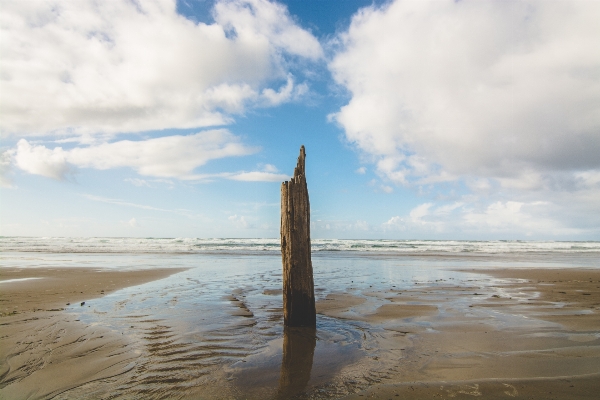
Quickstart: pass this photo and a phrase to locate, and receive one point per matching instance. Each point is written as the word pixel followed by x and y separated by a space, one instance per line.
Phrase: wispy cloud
pixel 123 203
pixel 168 157
pixel 257 176
pixel 165 157
pixel 149 182
pixel 128 204
pixel 269 173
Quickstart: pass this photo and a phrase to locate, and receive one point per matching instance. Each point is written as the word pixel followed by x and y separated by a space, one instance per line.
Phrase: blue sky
pixel 421 120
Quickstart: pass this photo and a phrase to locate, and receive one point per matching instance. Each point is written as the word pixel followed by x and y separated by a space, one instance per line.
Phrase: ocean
pixel 196 245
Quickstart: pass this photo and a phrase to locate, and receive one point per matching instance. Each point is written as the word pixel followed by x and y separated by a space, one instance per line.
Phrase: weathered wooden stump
pixel 298 284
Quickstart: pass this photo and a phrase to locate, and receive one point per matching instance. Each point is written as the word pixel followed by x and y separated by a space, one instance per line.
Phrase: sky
pixel 460 120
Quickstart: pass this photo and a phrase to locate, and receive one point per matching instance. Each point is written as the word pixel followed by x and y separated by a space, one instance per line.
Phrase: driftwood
pixel 298 285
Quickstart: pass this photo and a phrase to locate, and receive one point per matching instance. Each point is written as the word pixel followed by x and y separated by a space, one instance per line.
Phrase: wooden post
pixel 298 284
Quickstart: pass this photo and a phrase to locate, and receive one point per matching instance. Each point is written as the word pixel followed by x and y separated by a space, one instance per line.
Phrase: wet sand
pixel 534 335
pixel 502 333
pixel 50 289
pixel 45 351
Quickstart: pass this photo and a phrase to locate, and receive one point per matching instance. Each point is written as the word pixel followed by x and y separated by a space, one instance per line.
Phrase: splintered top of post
pixel 300 166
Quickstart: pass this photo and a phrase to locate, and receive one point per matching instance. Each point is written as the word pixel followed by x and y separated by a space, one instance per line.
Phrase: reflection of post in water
pixel 298 350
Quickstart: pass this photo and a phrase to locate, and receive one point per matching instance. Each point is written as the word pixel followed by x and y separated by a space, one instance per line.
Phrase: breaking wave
pixel 196 245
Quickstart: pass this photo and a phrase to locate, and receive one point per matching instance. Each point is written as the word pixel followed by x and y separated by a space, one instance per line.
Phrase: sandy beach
pixel 45 351
pixel 504 333
pixel 299 199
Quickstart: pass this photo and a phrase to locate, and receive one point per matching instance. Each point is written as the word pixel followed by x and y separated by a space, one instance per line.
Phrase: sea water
pixel 197 245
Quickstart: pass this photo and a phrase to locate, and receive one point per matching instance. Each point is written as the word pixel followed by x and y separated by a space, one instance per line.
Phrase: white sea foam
pixel 196 245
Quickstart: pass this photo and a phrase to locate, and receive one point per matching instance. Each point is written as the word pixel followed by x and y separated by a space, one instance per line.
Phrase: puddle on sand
pixel 216 330
pixel 303 360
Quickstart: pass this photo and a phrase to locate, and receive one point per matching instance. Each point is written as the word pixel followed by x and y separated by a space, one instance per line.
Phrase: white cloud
pixel 151 183
pixel 499 96
pixel 164 157
pixel 275 98
pixel 589 178
pixel 338 227
pixel 417 213
pixel 240 222
pixel 138 182
pixel 479 184
pixel 133 223
pixel 270 168
pixel 269 173
pixel 39 160
pixel 394 223
pixel 498 215
pixel 258 176
pixel 527 218
pixel 5 167
pixel 445 89
pixel 169 156
pixel 501 219
pixel 124 203
pixel 87 67
pixel 361 170
pixel 261 19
